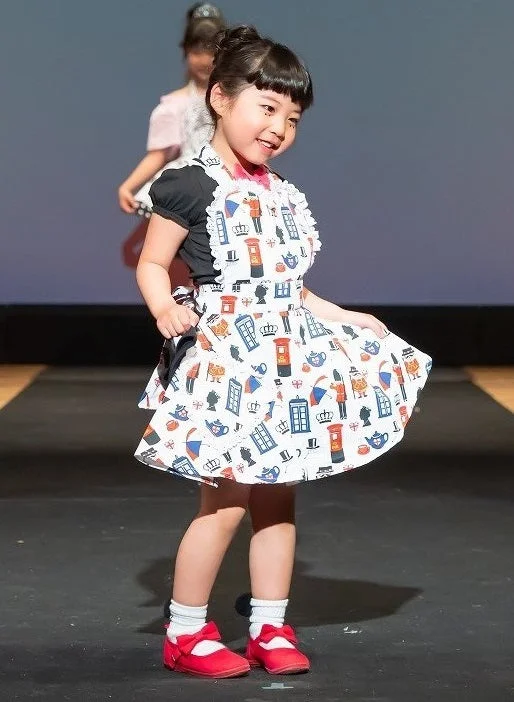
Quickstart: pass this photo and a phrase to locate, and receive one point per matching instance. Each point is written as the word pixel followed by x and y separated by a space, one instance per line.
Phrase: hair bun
pixel 203 11
pixel 231 38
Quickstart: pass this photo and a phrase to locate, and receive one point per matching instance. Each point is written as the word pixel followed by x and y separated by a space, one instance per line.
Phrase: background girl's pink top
pixel 165 129
pixel 181 124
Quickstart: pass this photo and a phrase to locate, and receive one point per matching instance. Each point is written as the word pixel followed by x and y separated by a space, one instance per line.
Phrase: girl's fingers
pixel 193 318
pixel 163 331
pixel 378 327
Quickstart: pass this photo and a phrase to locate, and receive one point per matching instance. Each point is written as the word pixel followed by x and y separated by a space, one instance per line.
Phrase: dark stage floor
pixel 404 577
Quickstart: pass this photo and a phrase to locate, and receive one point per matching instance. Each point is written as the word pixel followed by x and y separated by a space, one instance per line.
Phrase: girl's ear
pixel 218 100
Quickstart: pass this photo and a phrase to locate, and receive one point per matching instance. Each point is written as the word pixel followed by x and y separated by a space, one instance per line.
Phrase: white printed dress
pixel 270 393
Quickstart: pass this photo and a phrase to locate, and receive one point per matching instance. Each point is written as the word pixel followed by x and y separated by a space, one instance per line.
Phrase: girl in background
pixel 178 127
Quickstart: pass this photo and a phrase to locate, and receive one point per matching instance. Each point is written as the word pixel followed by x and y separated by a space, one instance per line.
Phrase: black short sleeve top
pixel 183 195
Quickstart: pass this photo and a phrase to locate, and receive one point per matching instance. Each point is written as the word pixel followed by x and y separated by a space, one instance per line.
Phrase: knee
pixel 226 519
pixel 226 505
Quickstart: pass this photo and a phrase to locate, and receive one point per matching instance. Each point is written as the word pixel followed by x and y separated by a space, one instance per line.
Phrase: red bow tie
pixel 260 175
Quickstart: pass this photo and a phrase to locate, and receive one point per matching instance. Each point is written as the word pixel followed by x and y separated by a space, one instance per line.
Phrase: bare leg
pixel 272 547
pixel 206 541
pixel 271 567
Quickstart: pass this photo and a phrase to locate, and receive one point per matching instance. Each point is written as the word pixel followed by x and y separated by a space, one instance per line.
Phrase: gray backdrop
pixel 406 158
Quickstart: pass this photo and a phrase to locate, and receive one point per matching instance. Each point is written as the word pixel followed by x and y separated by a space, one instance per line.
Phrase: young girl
pixel 179 125
pixel 270 384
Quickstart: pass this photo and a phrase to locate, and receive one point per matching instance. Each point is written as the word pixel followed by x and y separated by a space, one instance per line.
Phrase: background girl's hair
pixel 203 22
pixel 243 58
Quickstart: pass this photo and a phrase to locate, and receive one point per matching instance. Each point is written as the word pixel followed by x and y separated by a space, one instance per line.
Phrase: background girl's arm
pixel 329 311
pixel 151 164
pixel 163 240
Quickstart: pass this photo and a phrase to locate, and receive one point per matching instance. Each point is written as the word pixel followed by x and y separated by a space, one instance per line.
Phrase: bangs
pixel 280 70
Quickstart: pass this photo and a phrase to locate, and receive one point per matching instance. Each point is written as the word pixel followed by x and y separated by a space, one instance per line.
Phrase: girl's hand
pixel 366 321
pixel 126 199
pixel 176 319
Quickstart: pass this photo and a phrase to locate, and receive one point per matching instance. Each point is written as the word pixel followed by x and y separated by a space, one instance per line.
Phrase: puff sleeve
pixel 176 195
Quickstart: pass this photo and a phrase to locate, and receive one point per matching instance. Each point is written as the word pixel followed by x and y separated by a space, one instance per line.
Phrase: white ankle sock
pixel 268 612
pixel 189 620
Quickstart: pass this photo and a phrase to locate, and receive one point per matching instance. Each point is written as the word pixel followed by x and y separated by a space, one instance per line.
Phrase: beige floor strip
pixel 498 382
pixel 14 379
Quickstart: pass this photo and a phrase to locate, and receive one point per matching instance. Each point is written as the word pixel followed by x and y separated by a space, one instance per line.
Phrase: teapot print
pixel 290 260
pixel 377 440
pixel 269 475
pixel 217 428
pixel 371 347
pixel 316 359
pixel 180 413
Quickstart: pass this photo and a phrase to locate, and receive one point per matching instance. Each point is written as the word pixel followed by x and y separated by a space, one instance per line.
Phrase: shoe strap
pixel 269 632
pixel 186 642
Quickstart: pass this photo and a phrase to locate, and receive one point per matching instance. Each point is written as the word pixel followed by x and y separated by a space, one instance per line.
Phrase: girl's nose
pixel 279 129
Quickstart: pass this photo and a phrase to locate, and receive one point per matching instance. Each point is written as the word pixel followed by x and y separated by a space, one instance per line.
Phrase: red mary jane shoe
pixel 277 660
pixel 220 664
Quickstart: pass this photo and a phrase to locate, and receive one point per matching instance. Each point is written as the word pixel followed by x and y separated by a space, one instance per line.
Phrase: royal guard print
pixel 254 204
pixel 191 376
pixel 340 390
pixel 269 393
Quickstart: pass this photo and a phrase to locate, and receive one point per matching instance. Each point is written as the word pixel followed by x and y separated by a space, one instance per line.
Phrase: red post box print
pixel 336 442
pixel 283 357
pixel 254 253
pixel 228 303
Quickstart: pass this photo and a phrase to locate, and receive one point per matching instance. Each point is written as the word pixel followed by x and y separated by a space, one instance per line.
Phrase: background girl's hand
pixel 176 320
pixel 366 321
pixel 126 199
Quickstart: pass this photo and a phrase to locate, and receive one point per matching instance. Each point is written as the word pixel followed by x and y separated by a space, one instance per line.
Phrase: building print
pixel 283 289
pixel 262 438
pixel 299 416
pixel 314 327
pixel 221 227
pixel 384 405
pixel 235 390
pixel 246 328
pixel 289 222
pixel 183 465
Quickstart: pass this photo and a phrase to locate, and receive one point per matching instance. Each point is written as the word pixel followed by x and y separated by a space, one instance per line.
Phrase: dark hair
pixel 244 58
pixel 203 23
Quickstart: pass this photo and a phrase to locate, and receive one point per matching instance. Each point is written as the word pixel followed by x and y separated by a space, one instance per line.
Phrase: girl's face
pixel 255 126
pixel 199 65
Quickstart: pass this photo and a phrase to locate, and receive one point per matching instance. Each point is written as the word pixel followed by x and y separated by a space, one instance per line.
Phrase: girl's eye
pixel 268 109
pixel 293 122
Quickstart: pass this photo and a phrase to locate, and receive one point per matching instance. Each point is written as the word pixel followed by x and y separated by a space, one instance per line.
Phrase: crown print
pixel 324 417
pixel 212 465
pixel 268 329
pixel 212 161
pixel 240 229
pixel 282 427
pixel 253 407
